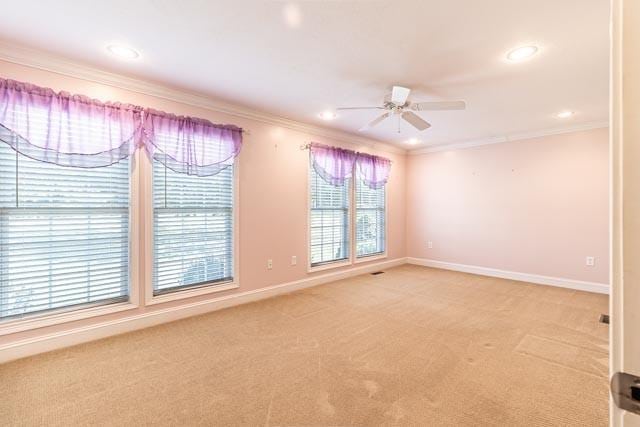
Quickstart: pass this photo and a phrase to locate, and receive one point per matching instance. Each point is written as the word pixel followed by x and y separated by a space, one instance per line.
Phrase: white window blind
pixel 370 220
pixel 193 229
pixel 64 235
pixel 329 220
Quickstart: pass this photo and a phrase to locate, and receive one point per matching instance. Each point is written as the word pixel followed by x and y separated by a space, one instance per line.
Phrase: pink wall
pixel 536 206
pixel 272 191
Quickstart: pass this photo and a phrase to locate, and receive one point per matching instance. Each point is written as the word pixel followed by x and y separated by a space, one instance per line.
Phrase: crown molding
pixel 56 64
pixel 509 138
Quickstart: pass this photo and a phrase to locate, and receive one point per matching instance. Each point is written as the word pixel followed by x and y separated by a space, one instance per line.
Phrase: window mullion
pixel 17 175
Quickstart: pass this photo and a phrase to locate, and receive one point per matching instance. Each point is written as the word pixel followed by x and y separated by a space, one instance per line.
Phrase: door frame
pixel 624 300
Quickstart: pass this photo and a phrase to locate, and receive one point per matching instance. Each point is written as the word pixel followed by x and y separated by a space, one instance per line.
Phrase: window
pixel 64 235
pixel 72 207
pixel 370 220
pixel 193 229
pixel 329 220
pixel 331 172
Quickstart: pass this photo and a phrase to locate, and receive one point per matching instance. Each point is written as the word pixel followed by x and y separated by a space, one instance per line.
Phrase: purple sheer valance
pixel 190 145
pixel 65 129
pixel 333 164
pixel 73 130
pixel 374 170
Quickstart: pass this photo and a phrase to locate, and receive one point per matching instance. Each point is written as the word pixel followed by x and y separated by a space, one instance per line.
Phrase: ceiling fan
pixel 397 104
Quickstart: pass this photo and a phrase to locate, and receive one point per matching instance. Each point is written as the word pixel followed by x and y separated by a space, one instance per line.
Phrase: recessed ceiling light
pixel 521 53
pixel 292 15
pixel 564 114
pixel 327 115
pixel 122 51
pixel 413 141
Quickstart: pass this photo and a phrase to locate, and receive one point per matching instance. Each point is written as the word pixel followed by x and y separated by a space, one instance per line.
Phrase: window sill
pixel 193 292
pixel 56 318
pixel 329 266
pixel 370 258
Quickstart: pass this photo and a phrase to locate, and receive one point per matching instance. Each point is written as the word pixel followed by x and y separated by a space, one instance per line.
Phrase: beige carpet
pixel 414 346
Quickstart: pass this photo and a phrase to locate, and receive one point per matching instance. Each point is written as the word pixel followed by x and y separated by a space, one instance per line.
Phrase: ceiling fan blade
pixel 375 121
pixel 437 105
pixel 416 121
pixel 399 95
pixel 360 108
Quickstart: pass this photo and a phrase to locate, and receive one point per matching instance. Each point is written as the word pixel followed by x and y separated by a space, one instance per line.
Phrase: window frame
pixel 353 259
pixel 148 235
pixel 339 262
pixel 378 255
pixel 71 314
pixel 140 258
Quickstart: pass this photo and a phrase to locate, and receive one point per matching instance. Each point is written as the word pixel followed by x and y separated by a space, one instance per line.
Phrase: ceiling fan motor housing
pixel 395 108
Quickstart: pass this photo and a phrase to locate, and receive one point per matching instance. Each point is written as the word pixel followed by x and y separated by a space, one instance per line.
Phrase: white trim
pixel 56 340
pixel 601 288
pixel 146 215
pixel 369 258
pixel 328 265
pixel 64 315
pixel 191 292
pixel 56 64
pixel 508 138
pixel 136 231
pixel 618 327
pixel 35 58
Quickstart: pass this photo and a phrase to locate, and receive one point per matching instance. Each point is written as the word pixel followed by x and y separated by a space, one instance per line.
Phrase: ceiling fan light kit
pixel 398 104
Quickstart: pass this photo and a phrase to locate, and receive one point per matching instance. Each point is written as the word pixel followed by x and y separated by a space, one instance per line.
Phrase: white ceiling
pixel 345 53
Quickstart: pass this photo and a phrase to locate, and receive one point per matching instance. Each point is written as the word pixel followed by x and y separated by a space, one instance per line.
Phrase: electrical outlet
pixel 590 261
pixel 430 244
pixel 269 264
pixel 294 260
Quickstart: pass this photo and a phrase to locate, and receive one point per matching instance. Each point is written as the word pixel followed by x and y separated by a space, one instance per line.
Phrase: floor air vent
pixel 604 318
pixel 375 273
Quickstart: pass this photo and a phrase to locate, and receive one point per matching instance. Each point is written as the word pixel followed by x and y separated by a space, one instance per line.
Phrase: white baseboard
pixel 66 338
pixel 601 288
